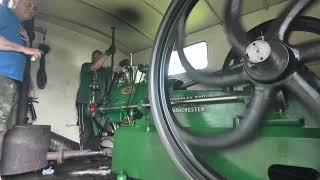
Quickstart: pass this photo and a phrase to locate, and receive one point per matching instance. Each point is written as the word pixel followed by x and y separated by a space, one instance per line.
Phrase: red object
pixel 92 107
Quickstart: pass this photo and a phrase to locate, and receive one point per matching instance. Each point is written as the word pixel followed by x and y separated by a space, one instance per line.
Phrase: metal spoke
pixel 307 92
pixel 231 68
pixel 279 28
pixel 236 34
pixel 248 129
pixel 231 77
pixel 308 52
pixel 234 76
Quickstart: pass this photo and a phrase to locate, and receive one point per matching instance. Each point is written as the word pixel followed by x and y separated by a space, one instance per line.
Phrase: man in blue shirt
pixel 14 43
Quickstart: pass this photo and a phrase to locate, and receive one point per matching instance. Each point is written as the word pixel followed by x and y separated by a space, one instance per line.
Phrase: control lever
pixel 31 109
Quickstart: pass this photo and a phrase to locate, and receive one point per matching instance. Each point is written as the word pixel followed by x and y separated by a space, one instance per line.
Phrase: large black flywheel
pixel 269 64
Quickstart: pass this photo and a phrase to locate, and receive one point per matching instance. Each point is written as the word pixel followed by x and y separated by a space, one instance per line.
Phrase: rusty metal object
pixel 24 149
pixel 62 155
pixel 2 133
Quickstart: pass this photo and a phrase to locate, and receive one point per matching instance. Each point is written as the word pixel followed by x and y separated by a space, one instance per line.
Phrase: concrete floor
pixel 80 169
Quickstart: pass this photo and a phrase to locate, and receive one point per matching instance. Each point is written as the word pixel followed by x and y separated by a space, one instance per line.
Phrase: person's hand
pixel 95 66
pixel 99 63
pixel 25 36
pixel 111 50
pixel 36 53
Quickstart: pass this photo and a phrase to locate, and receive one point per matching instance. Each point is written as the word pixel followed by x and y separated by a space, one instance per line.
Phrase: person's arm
pixel 25 37
pixel 99 63
pixel 6 45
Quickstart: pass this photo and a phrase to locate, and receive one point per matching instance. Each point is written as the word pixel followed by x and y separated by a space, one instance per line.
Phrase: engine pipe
pixel 62 155
pixel 212 100
pixel 111 78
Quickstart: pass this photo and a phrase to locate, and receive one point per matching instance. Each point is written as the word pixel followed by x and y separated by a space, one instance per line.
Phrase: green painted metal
pixel 122 176
pixel 252 161
pixel 285 140
pixel 123 93
pixel 291 135
pixel 139 153
pixel 120 97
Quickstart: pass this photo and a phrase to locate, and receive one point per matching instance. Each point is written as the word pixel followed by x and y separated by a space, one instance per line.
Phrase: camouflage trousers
pixel 8 103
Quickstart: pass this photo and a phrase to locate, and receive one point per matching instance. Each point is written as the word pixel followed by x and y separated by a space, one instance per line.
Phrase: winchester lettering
pixel 189 109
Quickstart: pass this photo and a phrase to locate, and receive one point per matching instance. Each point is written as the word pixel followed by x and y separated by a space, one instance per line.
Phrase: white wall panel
pixel 69 50
pixel 218 46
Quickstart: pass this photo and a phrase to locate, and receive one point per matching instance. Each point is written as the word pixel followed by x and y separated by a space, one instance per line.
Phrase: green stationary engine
pixel 125 105
pixel 139 153
pixel 261 121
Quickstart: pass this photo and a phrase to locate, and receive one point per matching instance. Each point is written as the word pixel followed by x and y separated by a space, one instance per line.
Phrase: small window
pixel 0 1
pixel 197 55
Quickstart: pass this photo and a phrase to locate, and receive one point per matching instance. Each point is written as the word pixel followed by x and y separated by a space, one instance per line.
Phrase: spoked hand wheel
pixel 302 24
pixel 270 65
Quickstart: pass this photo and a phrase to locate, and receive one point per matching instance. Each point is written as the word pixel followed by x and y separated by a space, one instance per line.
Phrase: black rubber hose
pixel 41 74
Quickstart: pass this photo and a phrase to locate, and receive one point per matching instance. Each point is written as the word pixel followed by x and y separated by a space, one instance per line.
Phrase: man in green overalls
pixel 89 71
